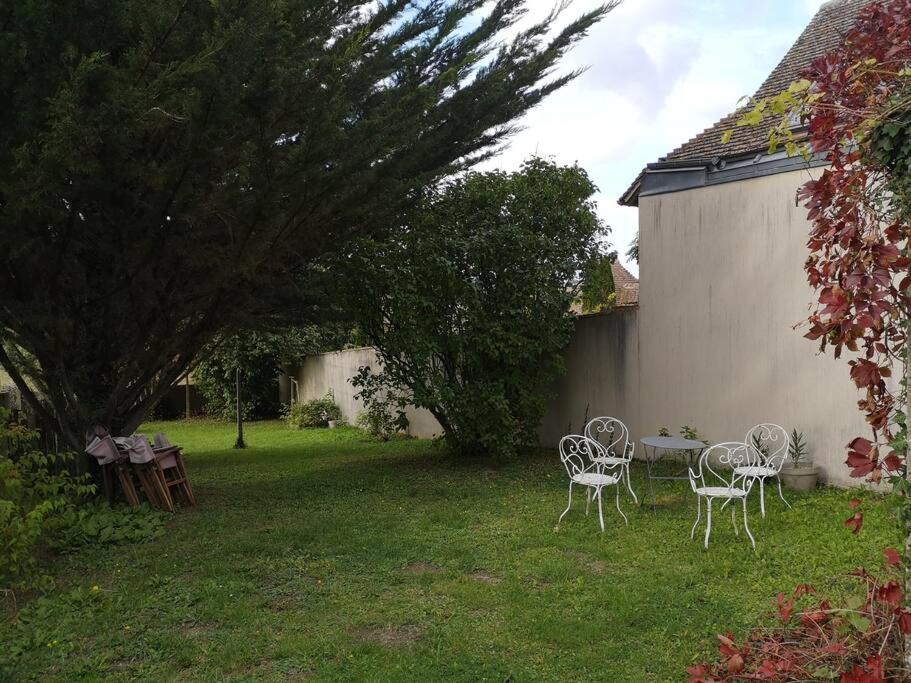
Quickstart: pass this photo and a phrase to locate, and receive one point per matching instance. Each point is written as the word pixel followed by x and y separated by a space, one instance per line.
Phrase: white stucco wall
pixel 333 370
pixel 722 286
pixel 602 376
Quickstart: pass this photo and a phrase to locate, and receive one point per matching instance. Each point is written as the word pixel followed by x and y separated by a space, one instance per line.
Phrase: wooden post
pixel 187 384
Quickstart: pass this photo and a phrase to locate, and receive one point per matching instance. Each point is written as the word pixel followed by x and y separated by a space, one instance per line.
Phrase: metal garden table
pixel 660 446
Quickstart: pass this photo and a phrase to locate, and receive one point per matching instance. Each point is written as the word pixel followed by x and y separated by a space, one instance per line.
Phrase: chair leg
pixel 734 520
pixel 150 491
pixel 708 524
pixel 588 499
pixel 569 504
pixel 762 496
pixel 186 479
pixel 780 494
pixel 108 484
pixel 629 484
pixel 698 516
pixel 745 525
pixel 163 491
pixel 617 486
pixel 600 509
pixel 126 483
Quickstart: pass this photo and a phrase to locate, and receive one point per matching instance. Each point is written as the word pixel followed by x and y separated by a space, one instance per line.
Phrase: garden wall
pixel 602 376
pixel 332 372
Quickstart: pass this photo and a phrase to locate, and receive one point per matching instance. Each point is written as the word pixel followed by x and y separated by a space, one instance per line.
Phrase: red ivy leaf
pixel 904 622
pixel 855 522
pixel 892 556
pixel 890 593
pixel 872 672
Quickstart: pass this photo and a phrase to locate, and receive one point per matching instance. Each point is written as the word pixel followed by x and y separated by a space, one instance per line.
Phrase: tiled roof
pixel 626 285
pixel 823 34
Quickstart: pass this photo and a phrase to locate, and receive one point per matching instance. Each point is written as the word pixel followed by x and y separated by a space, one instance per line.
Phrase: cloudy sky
pixel 659 72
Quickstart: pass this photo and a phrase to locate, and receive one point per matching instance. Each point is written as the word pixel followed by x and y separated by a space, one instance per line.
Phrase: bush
pixel 260 356
pixel 44 506
pixel 383 416
pixel 315 413
pixel 469 303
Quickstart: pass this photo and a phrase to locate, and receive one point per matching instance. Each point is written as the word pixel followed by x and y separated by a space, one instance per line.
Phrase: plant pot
pixel 799 478
pixel 332 424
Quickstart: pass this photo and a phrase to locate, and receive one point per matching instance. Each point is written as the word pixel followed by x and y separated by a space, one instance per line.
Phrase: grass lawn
pixel 322 555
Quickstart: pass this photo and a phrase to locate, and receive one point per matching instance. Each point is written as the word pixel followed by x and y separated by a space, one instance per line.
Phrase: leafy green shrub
pixel 469 304
pixel 315 413
pixel 797 450
pixel 43 505
pixel 384 413
pixel 259 356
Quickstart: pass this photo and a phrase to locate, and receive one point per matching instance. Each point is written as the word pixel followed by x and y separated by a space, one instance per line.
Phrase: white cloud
pixel 660 71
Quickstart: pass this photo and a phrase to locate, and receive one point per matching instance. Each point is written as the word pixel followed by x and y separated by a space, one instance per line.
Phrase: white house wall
pixel 722 286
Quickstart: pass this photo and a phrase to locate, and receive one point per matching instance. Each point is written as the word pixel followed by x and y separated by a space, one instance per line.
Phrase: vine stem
pixel 907 531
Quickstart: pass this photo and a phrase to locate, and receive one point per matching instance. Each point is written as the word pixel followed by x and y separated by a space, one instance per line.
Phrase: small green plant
pixel 797 451
pixel 686 432
pixel 44 506
pixel 314 413
pixel 692 434
pixel 760 445
pixel 382 420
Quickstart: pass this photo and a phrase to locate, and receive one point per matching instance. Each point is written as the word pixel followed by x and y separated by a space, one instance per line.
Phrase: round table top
pixel 675 443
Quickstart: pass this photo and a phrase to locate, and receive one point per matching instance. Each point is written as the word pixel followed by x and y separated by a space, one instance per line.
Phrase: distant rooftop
pixel 626 285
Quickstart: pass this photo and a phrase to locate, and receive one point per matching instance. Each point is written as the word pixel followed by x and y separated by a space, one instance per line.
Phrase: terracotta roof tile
pixel 626 285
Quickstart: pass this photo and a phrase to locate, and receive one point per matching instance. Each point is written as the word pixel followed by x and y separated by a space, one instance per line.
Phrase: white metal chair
pixel 771 442
pixel 578 453
pixel 616 449
pixel 717 478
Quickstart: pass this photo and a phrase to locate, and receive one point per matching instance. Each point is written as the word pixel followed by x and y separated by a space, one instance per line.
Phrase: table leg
pixel 651 486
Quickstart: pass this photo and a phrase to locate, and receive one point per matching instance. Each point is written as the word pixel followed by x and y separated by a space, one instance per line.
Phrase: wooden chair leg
pixel 186 480
pixel 108 484
pixel 162 485
pixel 150 491
pixel 126 484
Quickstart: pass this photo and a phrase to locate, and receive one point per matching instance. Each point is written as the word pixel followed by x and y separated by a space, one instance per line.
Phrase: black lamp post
pixel 240 421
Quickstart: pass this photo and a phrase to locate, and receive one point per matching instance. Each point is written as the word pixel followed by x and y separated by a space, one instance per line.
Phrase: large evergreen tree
pixel 167 166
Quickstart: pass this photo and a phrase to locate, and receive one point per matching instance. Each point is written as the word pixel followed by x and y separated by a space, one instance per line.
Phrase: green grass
pixel 321 555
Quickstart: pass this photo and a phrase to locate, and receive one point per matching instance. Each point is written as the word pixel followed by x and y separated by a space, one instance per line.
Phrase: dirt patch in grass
pixel 484 577
pixel 422 568
pixel 194 628
pixel 122 664
pixel 389 636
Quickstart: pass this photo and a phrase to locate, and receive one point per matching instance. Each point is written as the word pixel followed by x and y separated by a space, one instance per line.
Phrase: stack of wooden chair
pixel 159 469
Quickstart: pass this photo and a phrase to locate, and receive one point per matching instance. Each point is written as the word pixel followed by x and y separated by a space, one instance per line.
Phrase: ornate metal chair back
pixel 611 436
pixel 772 442
pixel 716 466
pixel 576 453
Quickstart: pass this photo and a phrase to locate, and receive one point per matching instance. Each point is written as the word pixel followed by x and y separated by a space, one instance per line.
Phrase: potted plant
pixel 799 473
